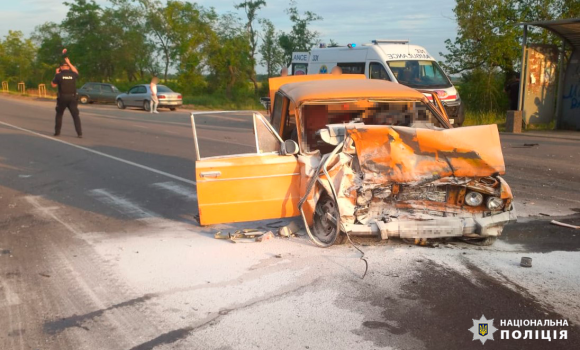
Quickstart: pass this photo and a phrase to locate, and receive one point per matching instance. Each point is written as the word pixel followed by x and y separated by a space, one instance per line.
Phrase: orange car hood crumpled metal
pixel 408 155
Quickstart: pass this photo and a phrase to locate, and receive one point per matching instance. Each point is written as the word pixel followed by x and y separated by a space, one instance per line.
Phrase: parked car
pixel 97 92
pixel 140 96
pixel 360 157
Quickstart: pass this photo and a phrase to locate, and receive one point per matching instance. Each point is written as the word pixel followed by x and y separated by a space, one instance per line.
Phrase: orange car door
pixel 258 185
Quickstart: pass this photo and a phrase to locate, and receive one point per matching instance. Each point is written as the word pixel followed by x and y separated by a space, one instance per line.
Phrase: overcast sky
pixel 424 22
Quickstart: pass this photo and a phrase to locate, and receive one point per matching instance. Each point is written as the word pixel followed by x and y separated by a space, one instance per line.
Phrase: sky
pixel 425 23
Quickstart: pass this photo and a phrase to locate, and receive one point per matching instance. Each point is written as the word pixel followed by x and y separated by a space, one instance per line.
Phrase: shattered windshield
pixel 419 74
pixel 401 113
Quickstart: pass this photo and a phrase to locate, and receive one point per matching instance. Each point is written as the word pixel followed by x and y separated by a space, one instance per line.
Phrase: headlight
pixel 494 203
pixel 473 199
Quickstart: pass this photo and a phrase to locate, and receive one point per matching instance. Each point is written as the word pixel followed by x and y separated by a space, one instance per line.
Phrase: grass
pixel 484 118
pixel 544 126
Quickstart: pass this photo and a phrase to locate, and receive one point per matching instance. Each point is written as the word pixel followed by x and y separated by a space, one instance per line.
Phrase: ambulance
pixel 392 60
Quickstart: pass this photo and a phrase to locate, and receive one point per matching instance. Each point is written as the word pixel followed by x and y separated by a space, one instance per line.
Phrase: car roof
pixel 94 83
pixel 346 89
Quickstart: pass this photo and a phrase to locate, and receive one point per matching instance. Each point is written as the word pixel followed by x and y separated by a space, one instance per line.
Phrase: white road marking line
pixel 48 212
pixel 123 205
pixel 103 154
pixel 177 189
pixel 222 112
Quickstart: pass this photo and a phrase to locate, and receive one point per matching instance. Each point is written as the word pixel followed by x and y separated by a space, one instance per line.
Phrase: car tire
pixel 84 100
pixel 120 104
pixel 146 106
pixel 323 229
pixel 172 108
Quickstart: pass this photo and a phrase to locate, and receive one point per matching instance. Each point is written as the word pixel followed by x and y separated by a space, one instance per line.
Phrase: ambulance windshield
pixel 419 74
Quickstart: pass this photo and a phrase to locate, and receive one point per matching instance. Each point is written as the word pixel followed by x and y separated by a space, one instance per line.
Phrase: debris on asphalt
pixel 278 256
pixel 543 214
pixel 554 222
pixel 525 145
pixel 526 262
pixel 245 236
pixel 288 230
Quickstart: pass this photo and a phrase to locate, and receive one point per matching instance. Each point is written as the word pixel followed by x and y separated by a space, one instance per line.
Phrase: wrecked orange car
pixel 364 158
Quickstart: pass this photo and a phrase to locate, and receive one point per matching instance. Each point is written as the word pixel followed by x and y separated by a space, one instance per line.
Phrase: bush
pixel 220 101
pixel 482 93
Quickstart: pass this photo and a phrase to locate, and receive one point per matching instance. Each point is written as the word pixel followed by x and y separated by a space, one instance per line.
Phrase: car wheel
pixel 172 108
pixel 324 228
pixel 84 99
pixel 484 242
pixel 146 105
pixel 120 104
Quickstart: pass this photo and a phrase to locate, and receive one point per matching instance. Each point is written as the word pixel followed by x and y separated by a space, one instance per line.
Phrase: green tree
pixel 88 40
pixel 270 50
pixel 229 57
pixel 489 33
pixel 191 28
pixel 133 51
pixel 48 39
pixel 17 59
pixel 487 49
pixel 156 24
pixel 300 38
pixel 251 7
pixel 180 31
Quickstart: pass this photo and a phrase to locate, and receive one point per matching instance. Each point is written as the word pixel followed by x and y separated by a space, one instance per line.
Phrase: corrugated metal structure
pixel 567 109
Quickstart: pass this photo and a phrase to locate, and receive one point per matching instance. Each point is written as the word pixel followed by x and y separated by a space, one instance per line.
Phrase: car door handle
pixel 210 174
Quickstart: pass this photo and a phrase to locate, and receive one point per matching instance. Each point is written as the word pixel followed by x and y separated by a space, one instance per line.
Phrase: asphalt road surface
pixel 100 249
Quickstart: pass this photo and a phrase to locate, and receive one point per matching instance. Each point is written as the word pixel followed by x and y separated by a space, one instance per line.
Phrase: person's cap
pixel 63 63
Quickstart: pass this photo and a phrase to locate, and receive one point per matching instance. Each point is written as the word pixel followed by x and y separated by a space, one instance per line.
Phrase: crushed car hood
pixel 406 155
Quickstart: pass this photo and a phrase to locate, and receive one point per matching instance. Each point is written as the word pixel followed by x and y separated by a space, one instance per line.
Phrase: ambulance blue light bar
pixel 351 45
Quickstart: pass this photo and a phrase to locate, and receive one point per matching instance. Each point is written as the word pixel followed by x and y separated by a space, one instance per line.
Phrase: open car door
pixel 262 183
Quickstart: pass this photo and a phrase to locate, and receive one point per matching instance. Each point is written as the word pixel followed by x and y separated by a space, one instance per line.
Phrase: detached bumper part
pixel 435 228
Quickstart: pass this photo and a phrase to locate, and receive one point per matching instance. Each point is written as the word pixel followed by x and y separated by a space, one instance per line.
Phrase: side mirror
pixel 289 147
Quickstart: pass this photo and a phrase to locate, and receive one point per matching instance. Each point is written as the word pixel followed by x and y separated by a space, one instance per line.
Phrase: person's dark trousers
pixel 63 102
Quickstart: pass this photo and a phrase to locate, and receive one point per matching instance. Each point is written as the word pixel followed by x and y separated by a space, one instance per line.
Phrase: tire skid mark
pixel 78 284
pixel 48 212
pixel 122 205
pixel 182 191
pixel 54 327
pixel 182 333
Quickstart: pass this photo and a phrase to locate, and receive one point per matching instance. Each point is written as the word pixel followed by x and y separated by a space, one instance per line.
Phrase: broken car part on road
pixel 359 157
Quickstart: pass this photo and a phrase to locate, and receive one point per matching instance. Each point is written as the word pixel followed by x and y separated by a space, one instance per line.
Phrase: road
pixel 100 249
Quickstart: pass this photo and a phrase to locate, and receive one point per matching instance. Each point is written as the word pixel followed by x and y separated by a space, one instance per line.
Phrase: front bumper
pixel 437 227
pixel 455 112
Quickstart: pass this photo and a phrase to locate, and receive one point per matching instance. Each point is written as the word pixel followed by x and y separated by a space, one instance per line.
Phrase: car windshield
pixel 163 88
pixel 419 74
pixel 397 113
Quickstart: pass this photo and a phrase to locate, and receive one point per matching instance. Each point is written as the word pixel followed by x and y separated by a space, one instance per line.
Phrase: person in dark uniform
pixel 66 78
